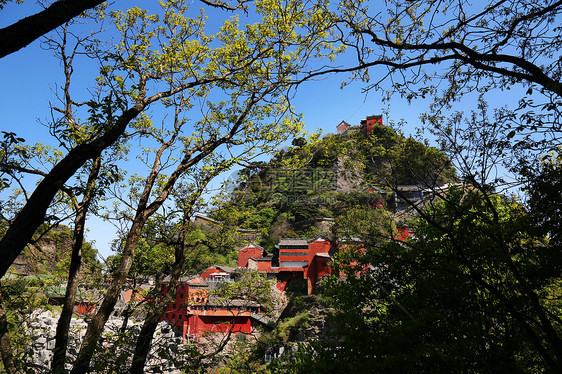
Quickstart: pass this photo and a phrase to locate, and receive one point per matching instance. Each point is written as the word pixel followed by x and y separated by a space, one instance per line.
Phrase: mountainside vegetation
pixel 50 254
pixel 477 290
pixel 318 182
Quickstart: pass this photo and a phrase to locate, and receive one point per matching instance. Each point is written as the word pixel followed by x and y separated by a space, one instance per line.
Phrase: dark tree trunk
pixel 5 347
pixel 32 214
pixel 25 31
pixel 61 338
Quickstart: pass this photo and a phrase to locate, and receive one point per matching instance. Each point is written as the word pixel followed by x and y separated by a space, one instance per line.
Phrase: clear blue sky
pixel 29 77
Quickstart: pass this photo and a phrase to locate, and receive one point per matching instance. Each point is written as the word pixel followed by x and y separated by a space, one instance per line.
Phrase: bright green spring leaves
pixel 241 69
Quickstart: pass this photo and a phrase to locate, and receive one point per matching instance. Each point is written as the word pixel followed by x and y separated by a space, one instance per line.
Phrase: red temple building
pixel 217 273
pixel 244 253
pixel 189 291
pixel 368 123
pixel 319 258
pixel 220 316
pixel 342 127
pixel 194 313
pixel 308 259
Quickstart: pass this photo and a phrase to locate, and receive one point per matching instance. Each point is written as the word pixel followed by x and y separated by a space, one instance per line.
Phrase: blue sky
pixel 29 78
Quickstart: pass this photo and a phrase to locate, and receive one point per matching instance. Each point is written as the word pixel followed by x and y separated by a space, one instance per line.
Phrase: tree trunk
pixel 26 30
pixel 61 338
pixel 96 325
pixel 142 348
pixel 5 346
pixel 32 214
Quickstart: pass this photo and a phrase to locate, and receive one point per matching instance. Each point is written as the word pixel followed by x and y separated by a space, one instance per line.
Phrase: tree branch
pixel 25 31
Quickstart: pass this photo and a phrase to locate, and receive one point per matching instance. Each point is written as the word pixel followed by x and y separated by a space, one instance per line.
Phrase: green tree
pixel 475 292
pixel 544 204
pixel 174 57
pixel 450 50
pixel 28 29
pixel 238 77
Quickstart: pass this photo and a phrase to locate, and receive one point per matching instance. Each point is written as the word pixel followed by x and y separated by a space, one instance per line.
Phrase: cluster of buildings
pixel 366 125
pixel 307 259
pixel 196 309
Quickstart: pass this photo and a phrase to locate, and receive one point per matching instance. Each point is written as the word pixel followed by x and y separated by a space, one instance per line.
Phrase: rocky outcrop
pixel 42 330
pixel 42 256
pixel 304 319
pixel 349 174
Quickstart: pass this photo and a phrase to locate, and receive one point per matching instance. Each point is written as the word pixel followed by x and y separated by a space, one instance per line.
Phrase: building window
pixel 292 264
pixel 293 254
pixel 298 246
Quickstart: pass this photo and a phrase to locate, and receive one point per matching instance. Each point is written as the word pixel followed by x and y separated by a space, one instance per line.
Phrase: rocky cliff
pixel 42 256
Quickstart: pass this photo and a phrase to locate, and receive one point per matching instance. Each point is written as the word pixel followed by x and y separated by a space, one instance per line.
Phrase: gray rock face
pixel 42 330
pixel 349 175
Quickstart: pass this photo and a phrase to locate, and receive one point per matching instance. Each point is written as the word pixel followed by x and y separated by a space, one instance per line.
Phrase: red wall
pixel 247 252
pixel 318 246
pixel 208 272
pixel 264 265
pixel 197 324
pixel 372 121
pixel 178 310
pixel 203 324
pixel 317 266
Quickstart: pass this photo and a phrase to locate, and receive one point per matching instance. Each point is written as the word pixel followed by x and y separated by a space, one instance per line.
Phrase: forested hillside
pixel 315 183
